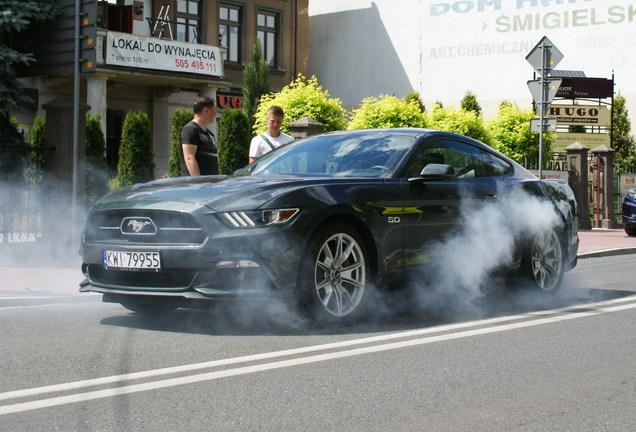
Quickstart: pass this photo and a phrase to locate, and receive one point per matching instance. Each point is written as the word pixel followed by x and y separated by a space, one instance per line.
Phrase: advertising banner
pixel 590 140
pixel 572 88
pixel 130 50
pixel 590 115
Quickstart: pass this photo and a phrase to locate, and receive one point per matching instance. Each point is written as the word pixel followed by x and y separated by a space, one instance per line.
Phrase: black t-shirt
pixel 206 154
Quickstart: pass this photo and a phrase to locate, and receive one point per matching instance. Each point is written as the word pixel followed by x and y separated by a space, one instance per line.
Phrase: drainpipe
pixel 76 102
pixel 294 38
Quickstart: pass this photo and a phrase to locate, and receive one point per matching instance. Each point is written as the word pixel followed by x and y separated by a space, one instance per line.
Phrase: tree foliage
pixel 136 158
pixel 387 111
pixel 255 81
pixel 96 163
pixel 622 139
pixel 469 103
pixel 458 121
pixel 302 98
pixel 415 97
pixel 35 166
pixel 234 140
pixel 179 120
pixel 15 19
pixel 511 135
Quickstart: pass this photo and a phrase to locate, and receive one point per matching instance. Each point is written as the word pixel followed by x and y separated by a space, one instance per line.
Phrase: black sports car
pixel 321 219
pixel 629 212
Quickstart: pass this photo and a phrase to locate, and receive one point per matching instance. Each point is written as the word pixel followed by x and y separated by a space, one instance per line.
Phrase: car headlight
pixel 632 193
pixel 260 218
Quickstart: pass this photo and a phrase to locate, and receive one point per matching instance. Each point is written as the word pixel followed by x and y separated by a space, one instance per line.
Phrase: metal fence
pixel 21 215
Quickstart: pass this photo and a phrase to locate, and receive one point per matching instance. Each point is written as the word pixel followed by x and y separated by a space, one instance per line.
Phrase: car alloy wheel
pixel 338 265
pixel 546 260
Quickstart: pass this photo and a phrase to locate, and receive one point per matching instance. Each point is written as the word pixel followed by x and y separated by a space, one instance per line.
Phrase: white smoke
pixel 464 266
pixel 37 229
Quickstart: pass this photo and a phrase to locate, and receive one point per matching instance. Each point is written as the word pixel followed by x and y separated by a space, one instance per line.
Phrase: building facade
pixel 156 56
pixel 445 48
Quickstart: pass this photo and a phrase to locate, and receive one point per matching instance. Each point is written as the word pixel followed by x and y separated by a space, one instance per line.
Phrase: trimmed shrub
pixel 414 96
pixel 469 103
pixel 234 140
pixel 511 135
pixel 136 158
pixel 302 98
pixel 179 120
pixel 34 172
pixel 255 81
pixel 458 121
pixel 96 164
pixel 386 112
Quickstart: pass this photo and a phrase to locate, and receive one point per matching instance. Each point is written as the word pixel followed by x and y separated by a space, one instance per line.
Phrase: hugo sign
pixel 580 114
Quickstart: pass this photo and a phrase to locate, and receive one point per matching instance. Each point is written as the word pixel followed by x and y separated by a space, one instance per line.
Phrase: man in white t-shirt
pixel 271 139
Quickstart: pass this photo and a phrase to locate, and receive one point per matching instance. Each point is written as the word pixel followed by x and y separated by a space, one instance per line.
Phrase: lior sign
pixel 578 87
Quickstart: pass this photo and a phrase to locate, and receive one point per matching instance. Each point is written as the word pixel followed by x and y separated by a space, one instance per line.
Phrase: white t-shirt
pixel 258 146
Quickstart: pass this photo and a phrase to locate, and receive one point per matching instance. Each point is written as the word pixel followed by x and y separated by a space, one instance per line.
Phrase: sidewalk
pixel 605 242
pixel 24 277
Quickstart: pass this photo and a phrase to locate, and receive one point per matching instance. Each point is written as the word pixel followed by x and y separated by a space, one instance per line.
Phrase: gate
pixel 21 216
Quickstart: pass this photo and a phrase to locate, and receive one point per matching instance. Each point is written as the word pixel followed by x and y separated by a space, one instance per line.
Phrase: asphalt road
pixel 500 362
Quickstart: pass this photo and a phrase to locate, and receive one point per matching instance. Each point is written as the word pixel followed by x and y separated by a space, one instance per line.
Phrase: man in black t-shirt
pixel 198 151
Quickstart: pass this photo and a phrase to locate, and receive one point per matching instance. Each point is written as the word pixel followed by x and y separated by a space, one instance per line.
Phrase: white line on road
pixel 498 325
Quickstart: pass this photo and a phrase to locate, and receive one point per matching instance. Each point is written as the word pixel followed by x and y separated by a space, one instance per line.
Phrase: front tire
pixel 544 261
pixel 334 273
pixel 630 230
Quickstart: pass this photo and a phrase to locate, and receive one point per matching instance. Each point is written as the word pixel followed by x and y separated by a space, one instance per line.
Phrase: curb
pixel 607 253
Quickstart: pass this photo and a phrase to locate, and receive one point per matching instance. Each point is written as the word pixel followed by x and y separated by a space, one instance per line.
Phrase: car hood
pixel 219 193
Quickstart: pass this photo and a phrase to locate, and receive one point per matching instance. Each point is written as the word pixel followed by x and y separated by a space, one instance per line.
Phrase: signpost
pixel 543 58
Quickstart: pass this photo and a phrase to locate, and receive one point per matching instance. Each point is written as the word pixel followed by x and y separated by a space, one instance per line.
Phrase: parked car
pixel 629 212
pixel 321 219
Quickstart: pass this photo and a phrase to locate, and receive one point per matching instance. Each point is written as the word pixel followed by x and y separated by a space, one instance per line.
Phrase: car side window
pixel 466 161
pixel 462 158
pixel 494 166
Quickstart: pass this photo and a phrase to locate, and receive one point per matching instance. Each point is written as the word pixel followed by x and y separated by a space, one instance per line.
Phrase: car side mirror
pixel 435 171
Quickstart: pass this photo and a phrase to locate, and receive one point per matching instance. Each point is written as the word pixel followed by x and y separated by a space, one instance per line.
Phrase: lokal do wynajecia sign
pixel 130 50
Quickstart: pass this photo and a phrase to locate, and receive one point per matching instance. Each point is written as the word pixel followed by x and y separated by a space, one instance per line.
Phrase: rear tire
pixel 544 261
pixel 334 274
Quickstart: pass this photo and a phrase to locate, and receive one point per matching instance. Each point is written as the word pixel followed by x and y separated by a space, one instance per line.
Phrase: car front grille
pixel 171 227
pixel 178 278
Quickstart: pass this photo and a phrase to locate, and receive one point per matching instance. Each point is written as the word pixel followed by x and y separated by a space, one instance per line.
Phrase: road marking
pixel 383 343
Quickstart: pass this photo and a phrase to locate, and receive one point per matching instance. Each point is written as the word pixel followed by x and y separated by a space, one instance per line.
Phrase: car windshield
pixel 363 155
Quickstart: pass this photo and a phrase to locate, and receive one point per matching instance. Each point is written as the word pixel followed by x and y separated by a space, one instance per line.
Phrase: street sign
pixel 549 125
pixel 552 56
pixel 544 92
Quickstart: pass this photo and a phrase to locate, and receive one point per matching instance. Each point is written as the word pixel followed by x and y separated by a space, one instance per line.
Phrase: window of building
pixel 267 31
pixel 188 15
pixel 230 17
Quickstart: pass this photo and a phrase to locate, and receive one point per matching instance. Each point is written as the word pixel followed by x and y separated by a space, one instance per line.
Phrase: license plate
pixel 130 260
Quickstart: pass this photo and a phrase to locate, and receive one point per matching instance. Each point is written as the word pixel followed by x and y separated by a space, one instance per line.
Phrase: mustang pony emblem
pixel 138 226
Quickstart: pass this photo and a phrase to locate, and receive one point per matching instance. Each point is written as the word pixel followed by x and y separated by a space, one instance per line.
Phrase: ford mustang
pixel 320 220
